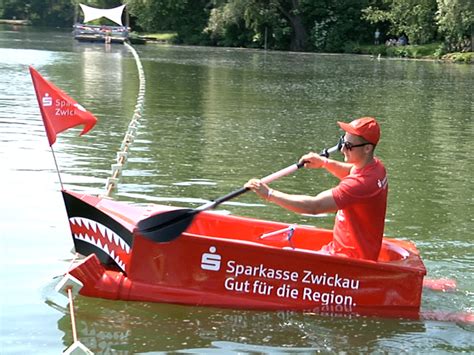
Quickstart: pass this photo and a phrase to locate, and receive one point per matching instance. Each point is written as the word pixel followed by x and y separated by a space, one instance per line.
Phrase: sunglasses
pixel 349 145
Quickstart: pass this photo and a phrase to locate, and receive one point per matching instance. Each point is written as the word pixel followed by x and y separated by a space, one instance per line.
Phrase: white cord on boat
pixel 290 230
pixel 122 154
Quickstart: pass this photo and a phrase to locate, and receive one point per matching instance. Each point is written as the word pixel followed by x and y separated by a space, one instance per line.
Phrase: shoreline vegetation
pixel 430 29
pixel 432 51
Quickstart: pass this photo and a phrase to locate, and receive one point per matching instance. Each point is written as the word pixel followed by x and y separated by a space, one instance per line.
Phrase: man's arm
pixel 323 202
pixel 336 168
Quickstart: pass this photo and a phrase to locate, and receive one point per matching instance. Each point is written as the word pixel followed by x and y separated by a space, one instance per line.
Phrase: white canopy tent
pixel 92 13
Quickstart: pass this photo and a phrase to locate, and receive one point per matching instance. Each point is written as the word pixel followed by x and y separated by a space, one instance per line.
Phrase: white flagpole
pixel 57 168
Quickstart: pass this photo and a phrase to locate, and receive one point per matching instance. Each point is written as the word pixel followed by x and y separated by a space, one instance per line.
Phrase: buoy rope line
pixel 129 137
pixel 73 317
pixel 74 259
pixel 111 184
pixel 76 343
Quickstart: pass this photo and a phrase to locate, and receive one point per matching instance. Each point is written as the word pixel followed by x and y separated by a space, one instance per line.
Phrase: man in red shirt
pixel 360 198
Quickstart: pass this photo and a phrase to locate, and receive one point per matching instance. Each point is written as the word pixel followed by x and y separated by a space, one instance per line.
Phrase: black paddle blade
pixel 164 227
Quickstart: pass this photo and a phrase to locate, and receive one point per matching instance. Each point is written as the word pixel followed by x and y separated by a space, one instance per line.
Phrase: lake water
pixel 214 118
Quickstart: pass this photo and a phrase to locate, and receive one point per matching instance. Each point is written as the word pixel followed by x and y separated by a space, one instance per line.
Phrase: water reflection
pixel 98 75
pixel 136 327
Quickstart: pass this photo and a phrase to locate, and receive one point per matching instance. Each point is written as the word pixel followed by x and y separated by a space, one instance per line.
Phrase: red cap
pixel 365 127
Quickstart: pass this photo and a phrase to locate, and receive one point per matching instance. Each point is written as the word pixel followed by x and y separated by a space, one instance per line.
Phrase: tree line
pixel 298 25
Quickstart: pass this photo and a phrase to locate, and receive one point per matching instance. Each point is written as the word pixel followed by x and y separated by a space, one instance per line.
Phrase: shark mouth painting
pixel 95 232
pixel 92 232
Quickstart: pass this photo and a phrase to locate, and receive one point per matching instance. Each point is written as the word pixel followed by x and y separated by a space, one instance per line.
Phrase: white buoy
pixel 122 157
pixel 68 282
pixel 69 286
pixel 117 170
pixel 111 183
pixel 77 348
pixel 131 133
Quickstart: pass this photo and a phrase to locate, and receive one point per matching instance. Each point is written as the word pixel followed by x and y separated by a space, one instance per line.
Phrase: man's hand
pixel 257 186
pixel 313 160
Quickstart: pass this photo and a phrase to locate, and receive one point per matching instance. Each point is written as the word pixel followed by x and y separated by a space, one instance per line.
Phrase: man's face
pixel 352 150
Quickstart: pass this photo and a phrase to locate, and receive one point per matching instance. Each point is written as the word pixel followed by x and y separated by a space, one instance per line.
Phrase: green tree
pixel 15 9
pixel 248 23
pixel 455 19
pixel 187 17
pixel 415 18
pixel 281 20
pixel 226 24
pixel 40 12
pixel 336 25
pixel 323 25
pixel 292 10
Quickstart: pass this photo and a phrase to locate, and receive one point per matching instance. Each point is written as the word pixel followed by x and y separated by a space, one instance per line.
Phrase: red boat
pixel 236 262
pixel 196 257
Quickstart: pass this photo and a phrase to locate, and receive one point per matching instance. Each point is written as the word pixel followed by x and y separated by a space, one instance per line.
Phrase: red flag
pixel 58 110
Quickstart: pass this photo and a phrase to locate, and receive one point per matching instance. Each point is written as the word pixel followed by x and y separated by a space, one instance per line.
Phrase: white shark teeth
pixel 101 228
pixel 105 232
pixel 88 239
pixel 108 237
pixel 120 263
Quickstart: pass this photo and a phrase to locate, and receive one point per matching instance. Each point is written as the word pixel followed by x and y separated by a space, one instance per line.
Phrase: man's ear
pixel 369 148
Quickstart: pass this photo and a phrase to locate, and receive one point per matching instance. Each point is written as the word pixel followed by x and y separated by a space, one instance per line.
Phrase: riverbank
pixel 459 57
pixel 432 51
pixel 15 22
pixel 160 37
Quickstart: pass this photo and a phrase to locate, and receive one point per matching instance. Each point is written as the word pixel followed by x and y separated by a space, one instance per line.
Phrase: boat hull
pixel 103 34
pixel 223 261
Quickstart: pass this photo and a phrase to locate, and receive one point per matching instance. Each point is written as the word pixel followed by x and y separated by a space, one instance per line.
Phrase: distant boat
pixel 86 32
